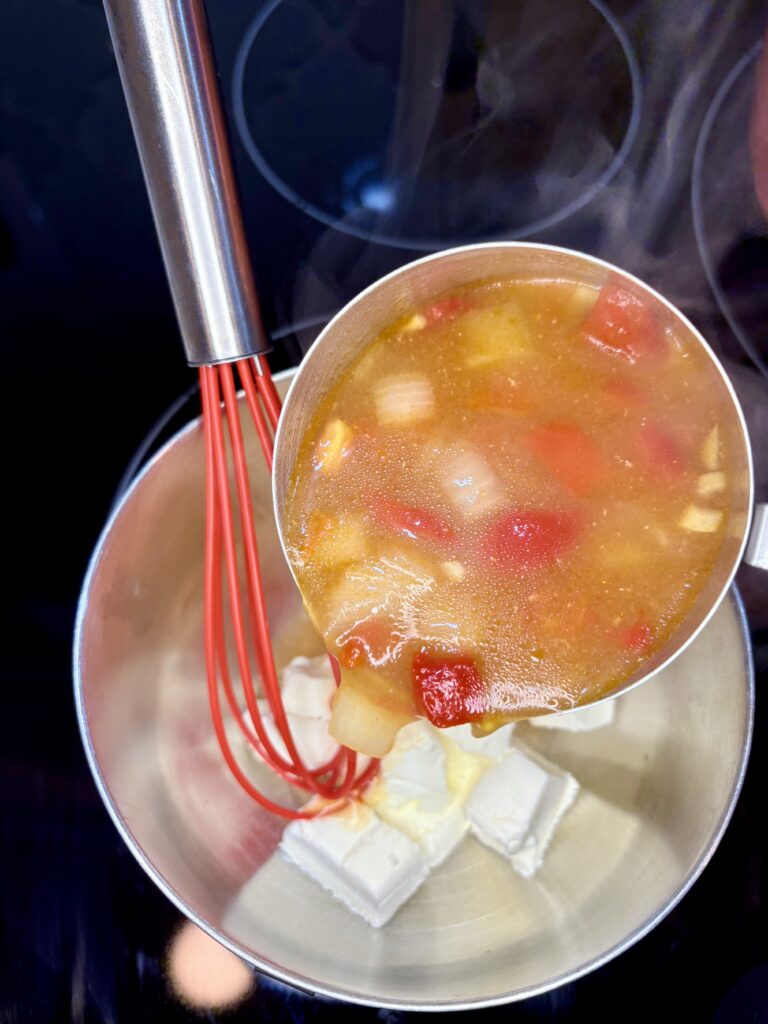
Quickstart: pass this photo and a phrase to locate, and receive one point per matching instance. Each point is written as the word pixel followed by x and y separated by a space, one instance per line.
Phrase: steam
pixel 542 120
pixel 647 225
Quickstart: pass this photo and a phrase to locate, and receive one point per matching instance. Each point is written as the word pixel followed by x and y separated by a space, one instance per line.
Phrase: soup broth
pixel 507 503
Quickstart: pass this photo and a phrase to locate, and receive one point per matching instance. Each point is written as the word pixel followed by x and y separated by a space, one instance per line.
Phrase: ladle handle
pixel 168 75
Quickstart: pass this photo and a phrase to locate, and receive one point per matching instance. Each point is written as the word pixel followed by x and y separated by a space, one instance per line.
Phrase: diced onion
pixel 404 399
pixel 701 520
pixel 581 300
pixel 710 483
pixel 364 724
pixel 471 485
pixel 495 335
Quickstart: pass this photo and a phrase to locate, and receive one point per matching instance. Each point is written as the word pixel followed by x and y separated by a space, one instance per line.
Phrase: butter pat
pixel 517 805
pixel 468 756
pixel 596 716
pixel 356 857
pixel 412 793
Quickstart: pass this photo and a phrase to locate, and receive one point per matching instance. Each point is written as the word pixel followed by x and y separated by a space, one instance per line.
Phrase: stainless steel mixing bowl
pixel 413 286
pixel 658 786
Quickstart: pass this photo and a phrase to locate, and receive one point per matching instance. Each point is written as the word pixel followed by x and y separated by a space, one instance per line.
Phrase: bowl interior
pixel 658 786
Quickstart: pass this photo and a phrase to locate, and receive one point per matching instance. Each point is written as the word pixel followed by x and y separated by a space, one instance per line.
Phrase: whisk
pixel 168 76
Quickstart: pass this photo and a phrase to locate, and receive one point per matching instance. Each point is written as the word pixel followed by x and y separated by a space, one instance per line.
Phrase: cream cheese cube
pixel 313 742
pixel 516 807
pixel 468 756
pixel 415 768
pixel 308 686
pixel 596 716
pixel 492 746
pixel 356 857
pixel 412 792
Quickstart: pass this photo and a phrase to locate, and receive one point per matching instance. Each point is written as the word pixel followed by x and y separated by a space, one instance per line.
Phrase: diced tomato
pixel 636 638
pixel 625 393
pixel 413 522
pixel 660 452
pixel 353 652
pixel 569 454
pixel 448 689
pixel 367 645
pixel 621 322
pixel 446 309
pixel 528 539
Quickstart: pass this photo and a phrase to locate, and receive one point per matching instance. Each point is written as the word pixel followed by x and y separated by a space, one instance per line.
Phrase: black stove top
pixel 366 133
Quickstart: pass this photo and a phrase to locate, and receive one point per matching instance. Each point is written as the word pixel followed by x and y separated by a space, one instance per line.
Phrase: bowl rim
pixel 313 986
pixel 406 268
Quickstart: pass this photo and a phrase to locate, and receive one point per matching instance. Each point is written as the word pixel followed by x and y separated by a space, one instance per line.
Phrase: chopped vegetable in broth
pixel 507 503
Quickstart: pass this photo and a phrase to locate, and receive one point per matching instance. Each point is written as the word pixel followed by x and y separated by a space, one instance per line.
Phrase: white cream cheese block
pixel 308 686
pixel 517 805
pixel 595 716
pixel 492 746
pixel 411 793
pixel 368 865
pixel 422 787
pixel 310 735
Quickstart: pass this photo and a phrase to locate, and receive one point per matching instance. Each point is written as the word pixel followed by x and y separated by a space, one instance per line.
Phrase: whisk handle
pixel 168 75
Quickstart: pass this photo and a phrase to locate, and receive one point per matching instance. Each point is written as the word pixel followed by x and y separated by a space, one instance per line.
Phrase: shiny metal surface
pixel 757 548
pixel 166 67
pixel 416 284
pixel 658 787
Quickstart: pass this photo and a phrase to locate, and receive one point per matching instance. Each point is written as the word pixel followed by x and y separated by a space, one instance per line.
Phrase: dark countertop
pixel 91 361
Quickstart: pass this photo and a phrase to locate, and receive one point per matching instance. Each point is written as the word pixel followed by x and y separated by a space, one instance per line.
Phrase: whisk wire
pixel 267 387
pixel 337 778
pixel 257 413
pixel 217 469
pixel 254 586
pixel 213 582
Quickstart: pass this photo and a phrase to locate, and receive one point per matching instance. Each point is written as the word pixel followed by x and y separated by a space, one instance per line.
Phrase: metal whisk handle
pixel 167 71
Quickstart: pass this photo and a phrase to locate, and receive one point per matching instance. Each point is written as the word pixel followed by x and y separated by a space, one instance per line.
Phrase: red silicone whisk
pixel 169 79
pixel 336 779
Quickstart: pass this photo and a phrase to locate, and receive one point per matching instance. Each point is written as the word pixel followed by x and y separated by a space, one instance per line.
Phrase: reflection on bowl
pixel 203 973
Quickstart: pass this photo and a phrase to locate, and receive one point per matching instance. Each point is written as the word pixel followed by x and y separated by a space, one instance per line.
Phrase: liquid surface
pixel 509 501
